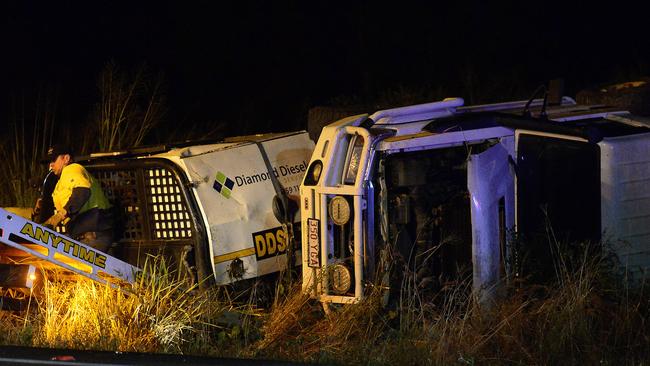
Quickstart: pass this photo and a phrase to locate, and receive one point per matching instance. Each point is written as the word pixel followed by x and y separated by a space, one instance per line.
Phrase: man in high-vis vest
pixel 79 199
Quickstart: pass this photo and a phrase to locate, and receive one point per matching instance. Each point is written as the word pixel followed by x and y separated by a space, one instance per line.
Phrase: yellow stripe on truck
pixel 233 255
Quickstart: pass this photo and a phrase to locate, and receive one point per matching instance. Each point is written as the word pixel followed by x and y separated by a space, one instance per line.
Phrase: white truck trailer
pixel 439 188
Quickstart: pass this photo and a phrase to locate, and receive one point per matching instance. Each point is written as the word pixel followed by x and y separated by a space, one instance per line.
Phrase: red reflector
pixel 63 358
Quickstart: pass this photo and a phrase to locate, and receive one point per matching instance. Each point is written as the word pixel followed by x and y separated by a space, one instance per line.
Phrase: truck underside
pixel 426 213
pixel 425 202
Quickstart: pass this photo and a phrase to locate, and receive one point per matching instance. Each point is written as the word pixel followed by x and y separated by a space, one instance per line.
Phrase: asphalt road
pixel 12 355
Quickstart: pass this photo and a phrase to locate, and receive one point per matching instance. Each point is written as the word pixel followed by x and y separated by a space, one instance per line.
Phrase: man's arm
pixel 44 207
pixel 78 198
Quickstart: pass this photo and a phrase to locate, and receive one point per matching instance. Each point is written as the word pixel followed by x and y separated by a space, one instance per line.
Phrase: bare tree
pixel 129 108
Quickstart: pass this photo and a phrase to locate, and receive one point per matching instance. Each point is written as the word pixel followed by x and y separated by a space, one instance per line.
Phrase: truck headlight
pixel 353 160
pixel 339 210
pixel 340 279
pixel 313 173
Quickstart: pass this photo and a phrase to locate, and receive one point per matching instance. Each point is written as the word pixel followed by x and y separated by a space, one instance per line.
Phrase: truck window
pixel 558 197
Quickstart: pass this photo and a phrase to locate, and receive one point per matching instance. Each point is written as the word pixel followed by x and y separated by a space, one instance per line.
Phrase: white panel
pixel 235 214
pixel 625 191
pixel 489 178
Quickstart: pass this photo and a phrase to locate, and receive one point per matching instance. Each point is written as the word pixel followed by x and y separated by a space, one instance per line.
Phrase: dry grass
pixel 580 318
pixel 298 329
pixel 15 329
pixel 160 313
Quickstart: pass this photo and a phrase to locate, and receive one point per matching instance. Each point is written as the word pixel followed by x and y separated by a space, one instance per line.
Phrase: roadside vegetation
pixel 583 316
pixel 27 134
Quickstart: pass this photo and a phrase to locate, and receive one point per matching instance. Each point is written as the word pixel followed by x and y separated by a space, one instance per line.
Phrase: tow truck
pixel 222 212
pixel 441 190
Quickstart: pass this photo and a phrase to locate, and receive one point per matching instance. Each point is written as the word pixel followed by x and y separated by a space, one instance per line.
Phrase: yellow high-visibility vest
pixel 73 176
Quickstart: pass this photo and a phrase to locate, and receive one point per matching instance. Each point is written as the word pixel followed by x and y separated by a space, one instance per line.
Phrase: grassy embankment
pixel 582 317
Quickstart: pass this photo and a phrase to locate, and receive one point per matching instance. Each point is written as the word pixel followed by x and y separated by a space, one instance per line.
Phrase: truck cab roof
pixel 591 122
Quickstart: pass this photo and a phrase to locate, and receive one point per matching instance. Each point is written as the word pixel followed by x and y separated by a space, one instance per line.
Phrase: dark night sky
pixel 262 64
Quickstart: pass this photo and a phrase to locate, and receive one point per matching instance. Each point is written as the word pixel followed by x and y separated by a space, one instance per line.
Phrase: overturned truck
pixel 440 190
pixel 221 212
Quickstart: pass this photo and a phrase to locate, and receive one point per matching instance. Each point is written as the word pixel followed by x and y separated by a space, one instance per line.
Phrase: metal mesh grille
pixel 121 188
pixel 151 211
pixel 171 219
pixel 149 204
